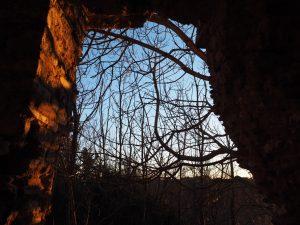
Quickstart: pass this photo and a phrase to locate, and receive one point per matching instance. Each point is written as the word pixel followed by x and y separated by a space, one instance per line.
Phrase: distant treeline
pixel 121 200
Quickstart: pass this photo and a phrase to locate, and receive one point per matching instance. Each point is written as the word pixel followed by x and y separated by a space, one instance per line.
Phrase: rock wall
pixel 252 50
pixel 41 49
pixel 253 55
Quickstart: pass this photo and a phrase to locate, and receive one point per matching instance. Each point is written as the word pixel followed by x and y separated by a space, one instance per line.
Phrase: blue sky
pixel 131 75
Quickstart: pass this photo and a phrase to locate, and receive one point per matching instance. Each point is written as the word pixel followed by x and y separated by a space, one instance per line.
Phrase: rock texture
pixel 252 50
pixel 253 54
pixel 41 49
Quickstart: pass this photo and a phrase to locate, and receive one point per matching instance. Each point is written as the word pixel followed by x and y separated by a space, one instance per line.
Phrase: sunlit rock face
pixel 41 44
pixel 253 54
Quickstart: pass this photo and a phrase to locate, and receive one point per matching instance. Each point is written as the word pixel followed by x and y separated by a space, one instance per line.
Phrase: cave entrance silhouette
pixel 252 53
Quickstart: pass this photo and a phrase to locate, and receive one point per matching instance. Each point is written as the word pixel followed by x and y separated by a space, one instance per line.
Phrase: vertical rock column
pixel 38 89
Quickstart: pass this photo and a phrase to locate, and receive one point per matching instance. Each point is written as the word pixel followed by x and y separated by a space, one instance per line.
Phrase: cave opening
pixel 252 53
pixel 145 126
